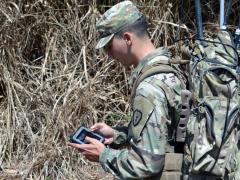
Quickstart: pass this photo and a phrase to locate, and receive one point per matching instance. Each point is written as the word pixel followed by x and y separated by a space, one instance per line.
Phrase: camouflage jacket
pixel 147 133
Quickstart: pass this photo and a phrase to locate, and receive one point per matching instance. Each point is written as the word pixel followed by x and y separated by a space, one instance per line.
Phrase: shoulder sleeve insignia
pixel 141 112
pixel 137 116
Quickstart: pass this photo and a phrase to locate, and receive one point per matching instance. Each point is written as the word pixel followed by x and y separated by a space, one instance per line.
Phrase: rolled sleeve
pixel 120 136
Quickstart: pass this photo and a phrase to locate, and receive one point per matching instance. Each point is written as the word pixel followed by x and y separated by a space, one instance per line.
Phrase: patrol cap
pixel 114 20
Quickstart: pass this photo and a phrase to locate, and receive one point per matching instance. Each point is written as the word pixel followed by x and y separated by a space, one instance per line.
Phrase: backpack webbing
pixel 156 68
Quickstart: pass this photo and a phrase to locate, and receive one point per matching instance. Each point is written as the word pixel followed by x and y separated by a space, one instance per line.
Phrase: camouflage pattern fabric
pixel 115 19
pixel 147 133
pixel 212 150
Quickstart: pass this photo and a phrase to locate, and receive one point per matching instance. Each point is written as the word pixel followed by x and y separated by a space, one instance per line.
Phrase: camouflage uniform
pixel 148 132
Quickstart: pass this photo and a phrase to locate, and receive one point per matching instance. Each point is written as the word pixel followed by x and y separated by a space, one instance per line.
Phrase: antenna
pixel 222 24
pixel 198 13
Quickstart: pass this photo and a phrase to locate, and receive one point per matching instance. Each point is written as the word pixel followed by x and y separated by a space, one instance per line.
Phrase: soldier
pixel 151 153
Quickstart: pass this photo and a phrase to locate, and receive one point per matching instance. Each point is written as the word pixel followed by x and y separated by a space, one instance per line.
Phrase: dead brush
pixel 52 80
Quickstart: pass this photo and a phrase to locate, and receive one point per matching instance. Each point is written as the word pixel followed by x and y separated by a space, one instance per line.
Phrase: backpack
pixel 212 139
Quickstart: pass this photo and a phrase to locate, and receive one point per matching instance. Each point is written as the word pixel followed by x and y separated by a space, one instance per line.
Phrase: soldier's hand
pixel 92 150
pixel 105 130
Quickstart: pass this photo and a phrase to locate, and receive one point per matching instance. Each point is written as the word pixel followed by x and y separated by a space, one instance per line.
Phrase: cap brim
pixel 103 41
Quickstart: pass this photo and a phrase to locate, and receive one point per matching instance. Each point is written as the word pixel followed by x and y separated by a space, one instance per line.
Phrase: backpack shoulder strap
pixel 156 68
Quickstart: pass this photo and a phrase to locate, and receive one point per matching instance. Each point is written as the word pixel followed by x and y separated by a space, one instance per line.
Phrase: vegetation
pixel 52 79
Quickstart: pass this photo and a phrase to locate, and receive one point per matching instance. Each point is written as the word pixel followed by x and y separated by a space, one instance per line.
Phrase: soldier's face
pixel 118 49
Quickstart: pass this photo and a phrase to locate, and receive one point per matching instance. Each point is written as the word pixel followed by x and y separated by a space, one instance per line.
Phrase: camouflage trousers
pixel 172 168
pixel 171 175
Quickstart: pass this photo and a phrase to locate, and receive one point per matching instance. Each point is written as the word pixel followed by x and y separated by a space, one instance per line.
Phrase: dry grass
pixel 52 79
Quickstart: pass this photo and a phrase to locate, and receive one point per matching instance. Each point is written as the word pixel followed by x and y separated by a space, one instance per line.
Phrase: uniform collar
pixel 149 59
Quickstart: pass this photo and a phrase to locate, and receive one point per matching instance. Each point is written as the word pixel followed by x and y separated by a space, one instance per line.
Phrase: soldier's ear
pixel 127 37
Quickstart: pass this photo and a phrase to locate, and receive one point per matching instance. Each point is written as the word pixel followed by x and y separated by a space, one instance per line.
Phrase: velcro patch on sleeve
pixel 142 110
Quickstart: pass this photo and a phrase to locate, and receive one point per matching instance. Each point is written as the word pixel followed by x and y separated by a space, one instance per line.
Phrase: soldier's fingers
pixel 91 140
pixel 80 147
pixel 96 126
pixel 75 146
pixel 108 141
